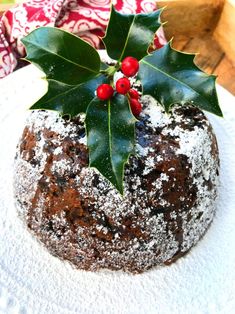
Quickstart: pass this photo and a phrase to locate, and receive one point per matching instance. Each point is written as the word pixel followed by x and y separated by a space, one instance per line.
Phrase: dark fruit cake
pixel 170 188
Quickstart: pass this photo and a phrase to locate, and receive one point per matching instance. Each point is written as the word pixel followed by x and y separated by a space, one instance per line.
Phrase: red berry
pixel 104 91
pixel 135 107
pixel 123 85
pixel 130 66
pixel 134 94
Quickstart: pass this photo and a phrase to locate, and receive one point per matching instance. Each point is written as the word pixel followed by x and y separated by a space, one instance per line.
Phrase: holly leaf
pixel 62 56
pixel 130 34
pixel 69 99
pixel 110 128
pixel 172 77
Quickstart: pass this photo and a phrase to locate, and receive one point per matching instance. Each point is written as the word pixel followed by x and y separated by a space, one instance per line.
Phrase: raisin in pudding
pixel 170 189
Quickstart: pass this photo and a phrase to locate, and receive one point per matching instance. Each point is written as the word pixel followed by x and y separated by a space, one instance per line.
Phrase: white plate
pixel 33 281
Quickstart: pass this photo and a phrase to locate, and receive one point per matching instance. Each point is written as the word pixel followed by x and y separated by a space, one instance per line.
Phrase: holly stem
pixel 111 70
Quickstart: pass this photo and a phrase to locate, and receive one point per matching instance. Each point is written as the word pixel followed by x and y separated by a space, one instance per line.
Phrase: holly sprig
pixel 74 71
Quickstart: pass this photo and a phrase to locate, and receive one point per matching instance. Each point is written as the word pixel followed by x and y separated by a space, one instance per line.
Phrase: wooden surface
pixel 211 58
pixel 225 29
pixel 206 27
pixel 187 18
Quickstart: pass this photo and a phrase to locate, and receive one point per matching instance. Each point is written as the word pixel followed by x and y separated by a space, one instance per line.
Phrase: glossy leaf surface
pixel 62 56
pixel 69 99
pixel 172 77
pixel 110 128
pixel 130 34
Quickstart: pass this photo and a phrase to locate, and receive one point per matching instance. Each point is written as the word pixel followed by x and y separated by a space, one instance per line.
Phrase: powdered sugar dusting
pixel 157 117
pixel 136 229
pixel 197 148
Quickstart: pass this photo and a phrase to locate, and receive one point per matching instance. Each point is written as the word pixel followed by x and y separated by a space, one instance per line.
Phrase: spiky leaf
pixel 172 77
pixel 130 34
pixel 69 99
pixel 62 56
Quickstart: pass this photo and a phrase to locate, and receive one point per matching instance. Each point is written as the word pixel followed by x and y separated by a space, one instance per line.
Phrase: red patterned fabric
pixel 85 18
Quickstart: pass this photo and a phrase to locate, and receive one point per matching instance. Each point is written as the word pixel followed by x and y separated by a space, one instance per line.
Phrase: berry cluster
pixel 129 67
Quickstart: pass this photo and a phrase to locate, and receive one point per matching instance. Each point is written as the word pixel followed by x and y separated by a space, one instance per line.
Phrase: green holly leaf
pixel 61 55
pixel 130 34
pixel 69 99
pixel 110 128
pixel 172 77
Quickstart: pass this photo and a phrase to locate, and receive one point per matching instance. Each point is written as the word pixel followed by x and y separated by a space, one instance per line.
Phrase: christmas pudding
pixel 115 170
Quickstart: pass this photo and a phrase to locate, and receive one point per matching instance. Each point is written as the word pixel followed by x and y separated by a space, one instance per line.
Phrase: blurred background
pixel 203 26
